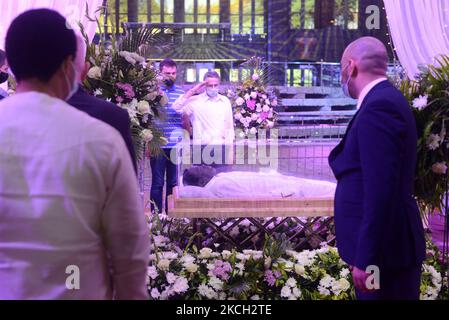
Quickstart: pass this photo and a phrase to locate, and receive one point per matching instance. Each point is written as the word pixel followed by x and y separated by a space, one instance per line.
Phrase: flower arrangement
pixel 429 97
pixel 179 270
pixel 119 74
pixel 253 104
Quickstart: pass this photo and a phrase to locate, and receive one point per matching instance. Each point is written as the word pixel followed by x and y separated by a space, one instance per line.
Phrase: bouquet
pixel 252 103
pixel 428 96
pixel 119 74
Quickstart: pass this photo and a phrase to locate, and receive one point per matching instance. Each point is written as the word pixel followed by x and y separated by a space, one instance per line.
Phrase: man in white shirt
pixel 71 222
pixel 211 116
pixel 210 112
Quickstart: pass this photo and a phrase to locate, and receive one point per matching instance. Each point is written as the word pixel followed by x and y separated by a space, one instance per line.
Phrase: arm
pixel 181 105
pixel 125 230
pixel 380 132
pixel 230 134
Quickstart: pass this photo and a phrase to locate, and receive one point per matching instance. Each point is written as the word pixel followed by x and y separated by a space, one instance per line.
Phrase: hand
pixel 359 278
pixel 196 89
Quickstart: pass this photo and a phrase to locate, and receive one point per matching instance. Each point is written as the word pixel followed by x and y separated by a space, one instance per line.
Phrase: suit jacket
pixel 376 216
pixel 108 113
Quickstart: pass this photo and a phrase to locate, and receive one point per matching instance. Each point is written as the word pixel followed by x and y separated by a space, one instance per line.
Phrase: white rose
pixel 300 270
pixel 205 253
pixel 147 135
pixel 226 254
pixel 191 267
pixel 164 264
pixel 239 102
pixel 94 73
pixel 286 292
pixel 143 107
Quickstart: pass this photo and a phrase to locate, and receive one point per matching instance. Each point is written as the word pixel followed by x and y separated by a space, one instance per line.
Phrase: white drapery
pixel 420 31
pixel 73 10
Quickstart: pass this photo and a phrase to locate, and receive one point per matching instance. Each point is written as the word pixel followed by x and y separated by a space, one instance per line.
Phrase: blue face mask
pixel 74 87
pixel 212 92
pixel 345 86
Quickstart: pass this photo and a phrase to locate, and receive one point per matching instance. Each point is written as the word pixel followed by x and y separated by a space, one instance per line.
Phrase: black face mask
pixel 4 77
pixel 169 83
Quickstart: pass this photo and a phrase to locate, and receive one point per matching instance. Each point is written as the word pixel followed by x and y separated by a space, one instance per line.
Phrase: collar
pixel 205 97
pixel 367 90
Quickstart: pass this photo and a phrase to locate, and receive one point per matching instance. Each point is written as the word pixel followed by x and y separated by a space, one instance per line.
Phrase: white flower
pixel 155 293
pixel 247 96
pixel 254 95
pixel 439 168
pixel 216 283
pixel 240 266
pixel 226 254
pixel 324 291
pixel 181 285
pixel 253 131
pixel 94 73
pixel 268 262
pixel 152 272
pixel 160 241
pixel 239 102
pixel 300 270
pixel 255 298
pixel 270 124
pixel 143 107
pixel 205 253
pixel 291 282
pixel 255 77
pixel 266 108
pixel 254 117
pixel 206 291
pixel 147 135
pixel 286 292
pixel 420 102
pixel 433 141
pixel 238 116
pixel 191 267
pixel 344 272
pixel 296 292
pixel 164 264
pixel 171 278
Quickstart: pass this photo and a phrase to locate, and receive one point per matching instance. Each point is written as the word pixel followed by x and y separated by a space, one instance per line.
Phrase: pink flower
pixel 129 92
pixel 251 104
pixel 270 278
pixel 118 99
pixel 256 77
pixel 263 116
pixel 439 168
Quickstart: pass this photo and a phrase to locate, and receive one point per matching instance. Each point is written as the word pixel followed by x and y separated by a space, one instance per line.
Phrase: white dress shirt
pixel 367 89
pixel 212 118
pixel 68 197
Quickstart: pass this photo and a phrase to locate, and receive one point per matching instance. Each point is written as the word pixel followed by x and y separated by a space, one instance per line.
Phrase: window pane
pixel 191 75
pixel 246 24
pixel 168 18
pixel 203 71
pixel 215 19
pixel 202 18
pixel 245 73
pixel 309 14
pixel 202 6
pixel 259 6
pixel 296 6
pixel 353 14
pixel 188 7
pixel 235 24
pixel 247 9
pixel 168 8
pixel 234 75
pixel 218 71
pixel 214 6
pixel 155 6
pixel 156 18
pixel 259 27
pixel 235 6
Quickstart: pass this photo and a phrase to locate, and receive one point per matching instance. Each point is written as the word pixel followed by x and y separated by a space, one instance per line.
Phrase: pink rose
pixel 251 104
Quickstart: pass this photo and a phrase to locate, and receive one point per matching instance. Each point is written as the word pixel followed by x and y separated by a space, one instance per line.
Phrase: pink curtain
pixel 73 10
pixel 420 30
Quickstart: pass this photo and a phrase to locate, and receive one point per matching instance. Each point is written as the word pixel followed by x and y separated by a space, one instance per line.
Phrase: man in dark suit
pixel 378 224
pixel 107 112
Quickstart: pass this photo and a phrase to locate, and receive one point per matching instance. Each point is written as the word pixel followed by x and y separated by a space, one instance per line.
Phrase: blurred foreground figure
pixel 71 222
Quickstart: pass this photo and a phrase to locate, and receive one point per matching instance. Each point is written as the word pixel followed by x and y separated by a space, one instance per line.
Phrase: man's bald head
pixel 369 56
